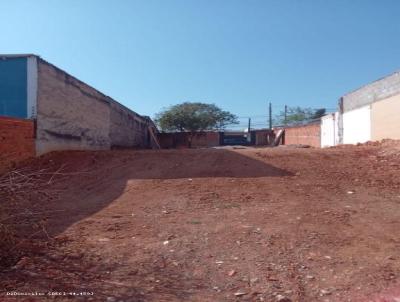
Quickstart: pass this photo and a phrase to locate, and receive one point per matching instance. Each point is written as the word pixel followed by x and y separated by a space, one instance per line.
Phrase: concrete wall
pixel 16 141
pixel 385 118
pixel 371 112
pixel 70 114
pixel 373 92
pixel 304 135
pixel 74 116
pixel 32 82
pixel 127 129
pixel 357 125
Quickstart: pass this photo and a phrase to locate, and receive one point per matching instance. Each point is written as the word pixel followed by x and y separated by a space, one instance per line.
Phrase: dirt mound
pixel 208 225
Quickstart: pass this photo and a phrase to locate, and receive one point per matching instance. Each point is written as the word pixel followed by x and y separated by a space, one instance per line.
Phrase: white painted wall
pixel 357 125
pixel 330 130
pixel 32 83
pixel 337 138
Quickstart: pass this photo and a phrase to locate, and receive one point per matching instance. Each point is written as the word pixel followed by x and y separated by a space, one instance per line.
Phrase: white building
pixel 369 113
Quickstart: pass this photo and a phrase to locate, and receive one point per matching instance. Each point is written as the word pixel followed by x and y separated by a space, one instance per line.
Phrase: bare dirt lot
pixel 210 225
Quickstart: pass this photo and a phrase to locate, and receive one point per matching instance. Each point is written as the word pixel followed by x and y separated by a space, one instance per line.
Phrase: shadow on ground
pixel 91 181
pixel 105 175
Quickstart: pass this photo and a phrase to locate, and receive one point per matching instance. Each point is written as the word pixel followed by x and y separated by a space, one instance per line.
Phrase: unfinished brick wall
pixel 181 139
pixel 304 135
pixel 205 139
pixel 17 140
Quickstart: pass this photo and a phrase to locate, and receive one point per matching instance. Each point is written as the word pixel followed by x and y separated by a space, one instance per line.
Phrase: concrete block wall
pixel 74 116
pixel 17 140
pixel 127 129
pixel 373 92
pixel 70 114
pixel 304 135
pixel 371 112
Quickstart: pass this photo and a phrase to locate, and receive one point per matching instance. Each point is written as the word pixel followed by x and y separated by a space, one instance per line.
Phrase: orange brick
pixel 17 140
pixel 304 135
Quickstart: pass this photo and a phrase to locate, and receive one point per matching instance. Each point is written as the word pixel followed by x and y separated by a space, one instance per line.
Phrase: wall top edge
pixel 12 56
pixel 396 73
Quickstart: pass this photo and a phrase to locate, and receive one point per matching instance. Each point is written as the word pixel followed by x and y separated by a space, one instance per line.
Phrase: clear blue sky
pixel 237 54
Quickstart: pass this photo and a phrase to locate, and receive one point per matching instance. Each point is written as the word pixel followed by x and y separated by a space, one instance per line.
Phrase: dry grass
pixel 20 220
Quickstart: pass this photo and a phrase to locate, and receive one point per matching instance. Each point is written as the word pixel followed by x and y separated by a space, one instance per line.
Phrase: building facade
pixel 68 114
pixel 371 112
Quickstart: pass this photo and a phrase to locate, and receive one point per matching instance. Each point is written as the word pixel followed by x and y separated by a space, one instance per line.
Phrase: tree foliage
pixel 297 115
pixel 194 117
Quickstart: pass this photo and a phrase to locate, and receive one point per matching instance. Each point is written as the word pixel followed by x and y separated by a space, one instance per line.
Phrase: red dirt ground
pixel 254 224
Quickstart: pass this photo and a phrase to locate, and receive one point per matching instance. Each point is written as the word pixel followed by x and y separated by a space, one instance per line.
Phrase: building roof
pixel 22 55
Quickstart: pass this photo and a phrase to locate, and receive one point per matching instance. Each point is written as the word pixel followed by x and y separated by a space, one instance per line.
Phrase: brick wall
pixel 181 139
pixel 205 139
pixel 16 141
pixel 304 135
pixel 127 129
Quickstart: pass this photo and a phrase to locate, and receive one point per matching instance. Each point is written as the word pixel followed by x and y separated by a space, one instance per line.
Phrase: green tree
pixel 318 113
pixel 194 117
pixel 296 115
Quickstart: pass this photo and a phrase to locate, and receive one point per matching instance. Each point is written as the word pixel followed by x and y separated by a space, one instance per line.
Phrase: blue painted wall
pixel 13 87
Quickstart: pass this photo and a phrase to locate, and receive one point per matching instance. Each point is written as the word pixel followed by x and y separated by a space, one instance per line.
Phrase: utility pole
pixel 248 131
pixel 270 115
pixel 285 115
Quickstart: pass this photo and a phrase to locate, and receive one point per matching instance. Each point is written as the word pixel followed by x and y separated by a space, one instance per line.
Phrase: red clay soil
pixel 261 224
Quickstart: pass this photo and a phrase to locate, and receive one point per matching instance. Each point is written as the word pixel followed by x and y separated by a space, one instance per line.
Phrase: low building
pixel 371 112
pixel 67 113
